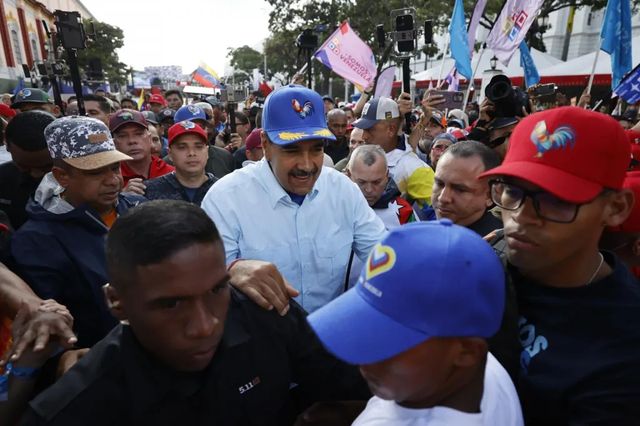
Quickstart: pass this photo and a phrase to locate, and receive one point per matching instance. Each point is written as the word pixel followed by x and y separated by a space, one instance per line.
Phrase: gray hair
pixel 368 154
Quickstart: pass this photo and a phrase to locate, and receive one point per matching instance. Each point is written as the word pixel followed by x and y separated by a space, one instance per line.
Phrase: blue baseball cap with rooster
pixel 293 114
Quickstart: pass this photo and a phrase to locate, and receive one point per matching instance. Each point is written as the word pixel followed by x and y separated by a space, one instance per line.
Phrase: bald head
pixel 368 155
pixel 337 123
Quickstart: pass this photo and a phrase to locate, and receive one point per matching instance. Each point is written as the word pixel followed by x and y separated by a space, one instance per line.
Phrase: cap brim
pixel 351 329
pixel 96 161
pixel 563 185
pixel 502 122
pixel 18 104
pixel 286 137
pixel 129 122
pixel 364 123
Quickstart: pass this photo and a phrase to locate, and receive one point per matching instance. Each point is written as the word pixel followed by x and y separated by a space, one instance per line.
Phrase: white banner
pixel 511 27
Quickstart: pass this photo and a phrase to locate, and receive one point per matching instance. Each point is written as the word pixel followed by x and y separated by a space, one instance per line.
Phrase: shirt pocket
pixel 333 252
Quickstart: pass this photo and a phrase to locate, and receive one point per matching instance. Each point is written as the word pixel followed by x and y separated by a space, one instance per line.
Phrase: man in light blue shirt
pixel 291 212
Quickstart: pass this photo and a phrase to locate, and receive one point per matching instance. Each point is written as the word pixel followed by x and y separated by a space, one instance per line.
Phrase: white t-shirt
pixel 499 407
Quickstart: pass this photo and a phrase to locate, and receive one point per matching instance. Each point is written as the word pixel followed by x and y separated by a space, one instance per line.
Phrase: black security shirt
pixel 580 358
pixel 15 189
pixel 248 382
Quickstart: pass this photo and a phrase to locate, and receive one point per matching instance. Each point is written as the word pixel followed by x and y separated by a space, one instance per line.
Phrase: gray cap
pixel 82 142
pixel 150 116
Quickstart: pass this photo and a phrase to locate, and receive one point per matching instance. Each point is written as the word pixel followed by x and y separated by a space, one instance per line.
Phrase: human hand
pixel 585 100
pixel 135 186
pixel 262 282
pixel 298 79
pixel 486 107
pixel 37 332
pixel 431 102
pixel 235 141
pixel 405 104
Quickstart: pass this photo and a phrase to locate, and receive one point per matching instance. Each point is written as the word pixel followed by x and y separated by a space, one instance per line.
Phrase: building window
pixel 589 16
pixel 34 50
pixel 16 47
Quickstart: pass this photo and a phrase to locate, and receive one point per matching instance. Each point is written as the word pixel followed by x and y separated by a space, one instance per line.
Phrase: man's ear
pixel 113 301
pixel 61 175
pixel 635 247
pixel 266 145
pixel 618 208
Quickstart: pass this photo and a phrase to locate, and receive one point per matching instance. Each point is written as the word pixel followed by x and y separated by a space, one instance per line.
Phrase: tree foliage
pixel 289 17
pixel 103 46
pixel 245 58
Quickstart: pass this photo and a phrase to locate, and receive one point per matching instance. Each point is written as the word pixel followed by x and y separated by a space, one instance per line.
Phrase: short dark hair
pixel 468 149
pixel 26 130
pixel 103 103
pixel 242 117
pixel 259 120
pixel 173 92
pixel 152 232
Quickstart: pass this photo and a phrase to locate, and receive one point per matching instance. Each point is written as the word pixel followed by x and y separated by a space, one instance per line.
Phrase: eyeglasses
pixel 511 197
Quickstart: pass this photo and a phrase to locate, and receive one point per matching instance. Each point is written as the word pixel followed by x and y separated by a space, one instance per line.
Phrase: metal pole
pixel 346 91
pixel 406 87
pixel 72 57
pixel 444 54
pixel 593 71
pixel 471 81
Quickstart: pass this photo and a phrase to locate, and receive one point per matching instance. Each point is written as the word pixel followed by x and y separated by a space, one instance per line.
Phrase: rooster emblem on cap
pixel 302 110
pixel 562 137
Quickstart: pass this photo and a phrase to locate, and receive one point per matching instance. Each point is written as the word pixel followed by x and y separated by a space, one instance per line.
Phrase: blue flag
pixel 629 88
pixel 616 38
pixel 531 75
pixel 459 41
pixel 19 86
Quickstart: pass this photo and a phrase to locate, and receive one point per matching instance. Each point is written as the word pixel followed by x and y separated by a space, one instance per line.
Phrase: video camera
pixel 507 100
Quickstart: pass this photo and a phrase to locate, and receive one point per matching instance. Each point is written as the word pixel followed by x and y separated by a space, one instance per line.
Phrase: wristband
pixel 368 93
pixel 22 372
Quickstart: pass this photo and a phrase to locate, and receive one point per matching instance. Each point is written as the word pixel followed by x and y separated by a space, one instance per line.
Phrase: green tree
pixel 245 58
pixel 103 46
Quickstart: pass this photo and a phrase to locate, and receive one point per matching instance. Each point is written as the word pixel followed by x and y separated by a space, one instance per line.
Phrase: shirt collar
pixel 274 190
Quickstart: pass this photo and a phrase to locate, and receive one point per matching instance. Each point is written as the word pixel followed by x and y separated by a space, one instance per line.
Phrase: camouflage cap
pixel 82 142
pixel 30 96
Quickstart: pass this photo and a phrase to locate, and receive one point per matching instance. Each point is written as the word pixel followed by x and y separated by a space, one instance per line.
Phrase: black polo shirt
pixel 580 350
pixel 486 224
pixel 15 189
pixel 248 382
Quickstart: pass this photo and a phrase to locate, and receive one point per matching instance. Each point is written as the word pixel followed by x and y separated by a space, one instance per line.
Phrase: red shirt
pixel 157 168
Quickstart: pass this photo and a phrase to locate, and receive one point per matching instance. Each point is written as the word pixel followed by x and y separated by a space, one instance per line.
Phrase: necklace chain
pixel 598 269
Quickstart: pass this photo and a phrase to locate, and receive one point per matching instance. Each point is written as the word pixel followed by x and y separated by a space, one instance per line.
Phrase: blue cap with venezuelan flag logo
pixel 423 280
pixel 294 113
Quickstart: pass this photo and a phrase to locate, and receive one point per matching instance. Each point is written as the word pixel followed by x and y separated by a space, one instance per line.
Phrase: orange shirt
pixel 109 217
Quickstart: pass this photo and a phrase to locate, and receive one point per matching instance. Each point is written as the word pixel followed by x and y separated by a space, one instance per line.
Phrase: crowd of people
pixel 387 262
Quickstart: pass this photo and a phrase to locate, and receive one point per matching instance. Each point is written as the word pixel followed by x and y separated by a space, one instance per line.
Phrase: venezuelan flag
pixel 206 76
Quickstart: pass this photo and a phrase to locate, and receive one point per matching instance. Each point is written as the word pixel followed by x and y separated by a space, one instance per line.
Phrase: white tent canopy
pixel 542 61
pixel 582 64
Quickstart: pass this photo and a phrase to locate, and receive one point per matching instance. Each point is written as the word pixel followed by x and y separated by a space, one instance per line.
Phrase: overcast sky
pixel 183 32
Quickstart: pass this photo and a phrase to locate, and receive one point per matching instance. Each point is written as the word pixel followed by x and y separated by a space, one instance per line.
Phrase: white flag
pixel 385 82
pixel 473 24
pixel 511 27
